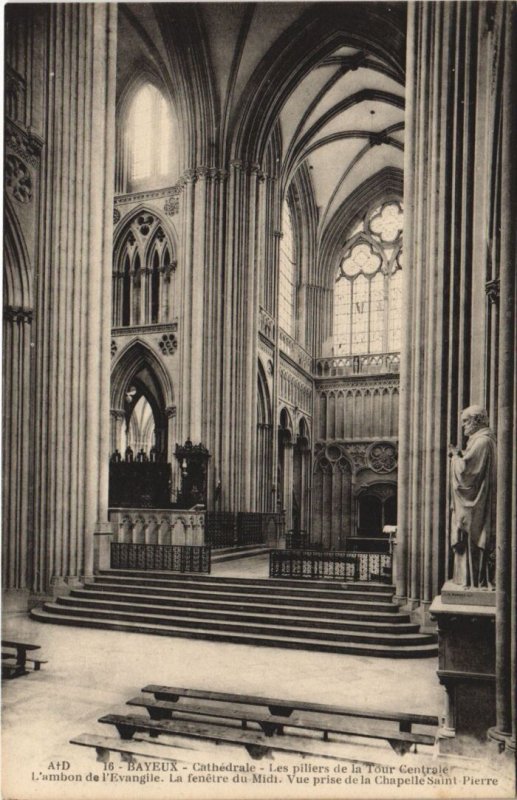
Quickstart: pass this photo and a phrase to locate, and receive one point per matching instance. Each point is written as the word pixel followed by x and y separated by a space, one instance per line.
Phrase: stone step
pixel 115 603
pixel 416 650
pixel 317 599
pixel 237 604
pixel 282 583
pixel 260 629
pixel 263 587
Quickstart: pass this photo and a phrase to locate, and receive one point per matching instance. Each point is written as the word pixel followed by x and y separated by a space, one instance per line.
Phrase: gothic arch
pixel 264 399
pixel 124 224
pixel 285 423
pixel 143 74
pixel 387 184
pixel 17 267
pixel 143 268
pixel 135 357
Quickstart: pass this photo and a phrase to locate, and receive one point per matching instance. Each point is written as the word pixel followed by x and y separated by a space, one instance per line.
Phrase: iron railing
pixel 332 564
pixel 173 558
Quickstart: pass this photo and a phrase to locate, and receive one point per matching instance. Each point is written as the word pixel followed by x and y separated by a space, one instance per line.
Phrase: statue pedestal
pixel 466 641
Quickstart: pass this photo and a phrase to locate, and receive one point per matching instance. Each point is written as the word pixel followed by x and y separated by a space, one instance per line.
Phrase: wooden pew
pixel 284 708
pixel 254 741
pixel 273 724
pixel 105 745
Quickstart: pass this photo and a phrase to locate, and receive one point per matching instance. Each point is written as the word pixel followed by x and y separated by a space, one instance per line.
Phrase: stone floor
pixel 93 672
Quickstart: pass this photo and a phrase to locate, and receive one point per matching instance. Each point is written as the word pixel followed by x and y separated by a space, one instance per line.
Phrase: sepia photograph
pixel 258 400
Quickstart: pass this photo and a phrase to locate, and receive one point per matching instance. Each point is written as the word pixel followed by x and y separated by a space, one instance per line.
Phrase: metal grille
pixel 249 528
pixel 221 528
pixel 298 541
pixel 332 564
pixel 230 529
pixel 173 558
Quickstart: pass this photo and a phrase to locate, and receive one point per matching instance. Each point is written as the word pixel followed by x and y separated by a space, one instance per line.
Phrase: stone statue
pixel 473 498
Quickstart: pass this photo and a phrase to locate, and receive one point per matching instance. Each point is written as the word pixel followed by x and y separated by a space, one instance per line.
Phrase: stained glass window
pixel 367 293
pixel 287 276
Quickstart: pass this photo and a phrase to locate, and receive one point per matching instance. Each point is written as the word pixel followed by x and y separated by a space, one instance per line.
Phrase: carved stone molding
pixel 116 216
pixel 132 330
pixel 18 314
pixel 18 181
pixel 248 168
pixel 382 457
pixel 327 387
pixel 114 347
pixel 379 456
pixel 168 344
pixel 171 205
pixel 26 144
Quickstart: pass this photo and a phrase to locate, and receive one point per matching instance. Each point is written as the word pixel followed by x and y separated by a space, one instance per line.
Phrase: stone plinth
pixel 466 641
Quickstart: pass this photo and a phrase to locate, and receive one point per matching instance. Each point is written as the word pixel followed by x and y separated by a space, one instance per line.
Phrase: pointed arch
pixel 144 248
pixel 17 266
pixel 146 149
pixel 134 358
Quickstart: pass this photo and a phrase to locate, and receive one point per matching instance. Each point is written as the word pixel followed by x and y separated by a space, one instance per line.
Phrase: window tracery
pixel 142 276
pixel 367 294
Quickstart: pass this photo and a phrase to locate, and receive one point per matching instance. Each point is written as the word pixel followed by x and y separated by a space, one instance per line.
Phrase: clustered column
pixel 73 293
pixel 460 202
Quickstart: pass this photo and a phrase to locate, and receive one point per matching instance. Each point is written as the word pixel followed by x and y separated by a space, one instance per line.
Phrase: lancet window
pixel 149 135
pixel 287 276
pixel 143 273
pixel 367 293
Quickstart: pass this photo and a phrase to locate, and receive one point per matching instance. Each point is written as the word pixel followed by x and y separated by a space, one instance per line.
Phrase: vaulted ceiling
pixel 339 108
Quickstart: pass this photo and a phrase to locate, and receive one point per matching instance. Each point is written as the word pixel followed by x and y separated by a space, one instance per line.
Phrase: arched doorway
pixel 264 445
pixel 141 442
pixel 285 467
pixel 301 478
pixel 376 507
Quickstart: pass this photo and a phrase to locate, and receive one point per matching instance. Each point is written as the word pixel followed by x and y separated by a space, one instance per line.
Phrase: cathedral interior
pixel 258 258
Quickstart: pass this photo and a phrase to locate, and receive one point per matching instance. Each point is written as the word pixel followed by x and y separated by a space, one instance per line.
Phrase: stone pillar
pixel 118 418
pixel 504 731
pixel 239 316
pixel 16 420
pixel 445 183
pixel 73 293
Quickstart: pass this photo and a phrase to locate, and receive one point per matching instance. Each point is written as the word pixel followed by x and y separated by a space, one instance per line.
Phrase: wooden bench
pixel 20 658
pixel 273 724
pixel 254 741
pixel 284 708
pixel 105 745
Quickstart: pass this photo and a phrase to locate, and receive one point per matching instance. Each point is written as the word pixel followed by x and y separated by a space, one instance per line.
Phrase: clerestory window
pixel 367 293
pixel 149 135
pixel 287 276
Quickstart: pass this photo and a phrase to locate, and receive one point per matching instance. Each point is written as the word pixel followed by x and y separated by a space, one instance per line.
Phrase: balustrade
pixel 157 526
pixel 295 351
pixel 367 364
